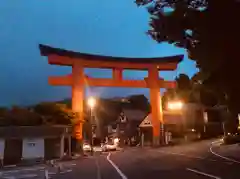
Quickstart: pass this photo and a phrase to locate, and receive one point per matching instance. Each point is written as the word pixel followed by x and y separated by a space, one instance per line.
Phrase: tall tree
pixel 209 31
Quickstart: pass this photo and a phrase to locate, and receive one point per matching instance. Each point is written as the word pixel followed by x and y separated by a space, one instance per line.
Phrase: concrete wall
pixel 15 151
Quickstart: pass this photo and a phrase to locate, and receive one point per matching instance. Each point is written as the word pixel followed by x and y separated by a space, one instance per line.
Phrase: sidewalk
pixel 26 165
pixel 40 171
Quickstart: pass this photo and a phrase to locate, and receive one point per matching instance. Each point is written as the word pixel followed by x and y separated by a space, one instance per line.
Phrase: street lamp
pixel 175 105
pixel 91 103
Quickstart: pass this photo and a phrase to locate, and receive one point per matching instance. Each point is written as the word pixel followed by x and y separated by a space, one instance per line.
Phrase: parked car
pixel 110 146
pixel 97 148
pixel 87 147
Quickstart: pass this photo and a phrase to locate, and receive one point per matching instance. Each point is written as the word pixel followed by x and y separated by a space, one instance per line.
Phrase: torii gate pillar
pixel 77 100
pixel 156 107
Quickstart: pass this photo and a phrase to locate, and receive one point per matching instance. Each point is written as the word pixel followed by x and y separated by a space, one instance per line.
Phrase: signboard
pixel 146 122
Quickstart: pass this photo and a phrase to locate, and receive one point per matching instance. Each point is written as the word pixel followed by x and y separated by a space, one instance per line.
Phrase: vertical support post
pixel 77 101
pixel 117 74
pixel 69 146
pixel 62 146
pixel 155 100
pixel 142 139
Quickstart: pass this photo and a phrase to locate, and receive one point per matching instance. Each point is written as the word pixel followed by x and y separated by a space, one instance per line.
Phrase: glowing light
pixel 116 140
pixel 175 105
pixel 91 102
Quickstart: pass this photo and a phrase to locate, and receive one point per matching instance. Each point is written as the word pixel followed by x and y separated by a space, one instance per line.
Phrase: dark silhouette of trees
pixel 55 113
pixel 139 102
pixel 209 31
pixel 3 116
pixel 182 92
pixel 193 91
pixel 19 116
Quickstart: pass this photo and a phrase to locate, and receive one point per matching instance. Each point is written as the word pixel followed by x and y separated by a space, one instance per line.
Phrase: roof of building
pixel 46 50
pixel 168 118
pixel 33 131
pixel 134 114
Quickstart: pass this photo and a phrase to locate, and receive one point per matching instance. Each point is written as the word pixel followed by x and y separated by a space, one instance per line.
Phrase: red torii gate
pixel 79 61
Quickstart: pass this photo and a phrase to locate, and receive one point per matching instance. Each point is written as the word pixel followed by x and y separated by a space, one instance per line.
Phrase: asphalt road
pixel 200 160
pixel 194 161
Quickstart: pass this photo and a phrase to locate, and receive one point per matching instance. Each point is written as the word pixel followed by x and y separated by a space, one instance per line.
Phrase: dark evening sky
pixel 107 27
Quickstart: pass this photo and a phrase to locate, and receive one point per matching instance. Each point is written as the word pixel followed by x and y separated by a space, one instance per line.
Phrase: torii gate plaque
pixel 79 61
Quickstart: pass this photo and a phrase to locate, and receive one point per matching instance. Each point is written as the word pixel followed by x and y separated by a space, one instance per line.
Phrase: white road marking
pixel 226 158
pixel 27 176
pixel 12 171
pixel 24 169
pixel 10 166
pixel 21 176
pixel 67 171
pixel 203 173
pixel 116 167
pixel 33 169
pixel 52 173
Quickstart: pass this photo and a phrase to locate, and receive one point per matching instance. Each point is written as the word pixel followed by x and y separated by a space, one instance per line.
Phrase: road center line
pixel 203 173
pixel 116 167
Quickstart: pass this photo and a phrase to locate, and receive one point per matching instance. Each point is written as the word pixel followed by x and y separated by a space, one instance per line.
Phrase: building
pixel 126 127
pixel 20 144
pixel 172 123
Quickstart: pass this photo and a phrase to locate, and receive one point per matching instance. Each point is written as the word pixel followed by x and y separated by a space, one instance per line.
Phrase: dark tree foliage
pixel 168 95
pixel 55 113
pixel 192 91
pixel 19 116
pixel 139 102
pixel 3 116
pixel 209 31
pixel 181 92
pixel 183 82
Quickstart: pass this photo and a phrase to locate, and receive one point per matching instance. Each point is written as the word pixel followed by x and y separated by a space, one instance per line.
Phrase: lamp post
pixel 91 103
